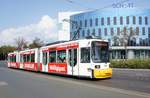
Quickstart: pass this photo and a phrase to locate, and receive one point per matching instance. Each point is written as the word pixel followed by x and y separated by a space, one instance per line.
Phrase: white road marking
pixel 3 83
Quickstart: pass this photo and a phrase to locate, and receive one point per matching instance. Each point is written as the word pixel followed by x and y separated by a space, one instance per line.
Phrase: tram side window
pixel 13 59
pixel 72 57
pixel 28 58
pixel 10 58
pixel 61 56
pixel 85 55
pixel 52 56
pixel 24 58
pixel 21 58
pixel 44 58
pixel 32 57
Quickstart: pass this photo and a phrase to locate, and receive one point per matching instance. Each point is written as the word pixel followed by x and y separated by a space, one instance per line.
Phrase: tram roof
pixel 71 41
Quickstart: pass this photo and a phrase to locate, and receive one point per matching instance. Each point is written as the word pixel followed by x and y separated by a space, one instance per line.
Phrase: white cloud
pixel 45 29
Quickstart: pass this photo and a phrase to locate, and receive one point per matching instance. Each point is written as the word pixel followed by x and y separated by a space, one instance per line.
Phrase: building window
pixel 108 20
pixel 72 26
pixel 102 21
pixel 131 31
pixel 112 31
pixel 115 20
pixel 88 32
pixel 96 21
pixel 140 20
pixel 85 23
pixel 134 20
pixel 143 30
pixel 127 20
pixel 80 23
pixel 93 32
pixel 121 20
pixel 105 31
pixel 149 32
pixel 125 30
pixel 90 22
pixel 118 31
pixel 137 30
pixel 99 32
pixel 141 42
pixel 78 34
pixel 146 21
pixel 83 33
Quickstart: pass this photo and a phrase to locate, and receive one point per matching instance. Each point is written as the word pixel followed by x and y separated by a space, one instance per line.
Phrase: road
pixel 23 84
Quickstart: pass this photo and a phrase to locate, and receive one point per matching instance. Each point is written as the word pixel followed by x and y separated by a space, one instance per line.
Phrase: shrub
pixel 132 63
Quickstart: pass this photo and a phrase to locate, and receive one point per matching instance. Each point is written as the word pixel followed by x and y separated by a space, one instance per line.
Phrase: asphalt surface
pixel 23 84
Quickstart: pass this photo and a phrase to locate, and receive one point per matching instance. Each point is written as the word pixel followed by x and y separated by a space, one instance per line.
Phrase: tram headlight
pixel 97 67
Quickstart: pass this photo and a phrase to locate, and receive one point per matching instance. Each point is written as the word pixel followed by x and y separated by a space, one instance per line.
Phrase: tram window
pixel 28 58
pixel 44 58
pixel 32 57
pixel 52 56
pixel 21 58
pixel 24 58
pixel 61 56
pixel 85 55
pixel 10 58
pixel 72 57
pixel 75 57
pixel 14 59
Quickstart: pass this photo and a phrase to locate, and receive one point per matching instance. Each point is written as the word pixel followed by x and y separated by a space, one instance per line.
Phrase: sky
pixel 38 18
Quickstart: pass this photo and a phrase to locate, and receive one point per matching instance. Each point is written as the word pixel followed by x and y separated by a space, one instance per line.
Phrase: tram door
pixel 73 68
pixel 44 62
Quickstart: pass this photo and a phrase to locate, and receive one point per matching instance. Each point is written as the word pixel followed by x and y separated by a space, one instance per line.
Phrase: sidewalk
pixel 139 74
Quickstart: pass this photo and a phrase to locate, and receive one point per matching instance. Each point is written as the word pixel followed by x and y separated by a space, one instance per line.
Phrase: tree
pixel 36 43
pixel 21 43
pixel 4 50
pixel 126 35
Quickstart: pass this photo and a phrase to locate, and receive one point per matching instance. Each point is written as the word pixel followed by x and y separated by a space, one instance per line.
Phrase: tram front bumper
pixel 102 73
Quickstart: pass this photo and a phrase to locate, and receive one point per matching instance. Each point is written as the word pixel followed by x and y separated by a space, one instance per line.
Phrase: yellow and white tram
pixel 82 58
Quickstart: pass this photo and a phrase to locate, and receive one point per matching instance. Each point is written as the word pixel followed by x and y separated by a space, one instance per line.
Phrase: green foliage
pixel 132 63
pixel 4 50
pixel 36 43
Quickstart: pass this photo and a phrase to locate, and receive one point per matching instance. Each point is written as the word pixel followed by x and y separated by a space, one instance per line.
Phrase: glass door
pixel 73 61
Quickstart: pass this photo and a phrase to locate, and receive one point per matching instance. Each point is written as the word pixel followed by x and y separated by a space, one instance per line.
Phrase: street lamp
pixel 77 27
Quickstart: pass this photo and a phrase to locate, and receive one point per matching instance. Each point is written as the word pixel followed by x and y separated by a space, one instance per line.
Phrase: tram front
pixel 100 60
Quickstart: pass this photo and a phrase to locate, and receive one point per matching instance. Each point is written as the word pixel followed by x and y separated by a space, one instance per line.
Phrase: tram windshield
pixel 99 52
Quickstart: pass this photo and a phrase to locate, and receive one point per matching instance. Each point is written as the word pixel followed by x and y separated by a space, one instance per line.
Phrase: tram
pixel 81 58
